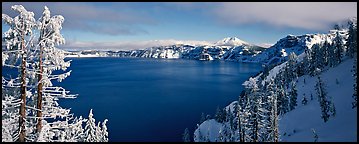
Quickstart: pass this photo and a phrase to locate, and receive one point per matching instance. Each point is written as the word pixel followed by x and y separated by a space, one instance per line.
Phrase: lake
pixel 152 100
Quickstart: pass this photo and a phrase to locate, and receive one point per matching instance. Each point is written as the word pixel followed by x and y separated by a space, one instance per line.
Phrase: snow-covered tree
pixel 18 40
pixel 283 101
pixel 339 48
pixel 241 121
pixel 351 43
pixel 90 129
pixel 220 115
pixel 293 96
pixel 273 134
pixel 104 134
pixel 313 59
pixel 185 136
pixel 94 133
pixel 257 122
pixel 355 94
pixel 326 106
pixel 30 99
pixel 304 100
pixel 203 118
pixel 291 66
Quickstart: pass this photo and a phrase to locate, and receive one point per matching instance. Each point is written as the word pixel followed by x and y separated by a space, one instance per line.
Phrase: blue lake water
pixel 152 99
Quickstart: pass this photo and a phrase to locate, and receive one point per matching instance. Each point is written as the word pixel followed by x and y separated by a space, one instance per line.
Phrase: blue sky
pixel 115 24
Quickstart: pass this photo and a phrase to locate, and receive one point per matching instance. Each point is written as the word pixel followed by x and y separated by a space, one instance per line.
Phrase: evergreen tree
pixel 336 27
pixel 104 134
pixel 304 100
pixel 355 95
pixel 90 129
pixel 283 101
pixel 351 43
pixel 339 48
pixel 293 96
pixel 273 127
pixel 314 60
pixel 327 107
pixel 325 52
pixel 315 135
pixel 331 55
pixel 36 56
pixel 18 40
pixel 203 118
pixel 220 115
pixel 241 115
pixel 186 137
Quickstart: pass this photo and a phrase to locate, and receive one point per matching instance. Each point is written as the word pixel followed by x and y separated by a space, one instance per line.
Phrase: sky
pixel 137 25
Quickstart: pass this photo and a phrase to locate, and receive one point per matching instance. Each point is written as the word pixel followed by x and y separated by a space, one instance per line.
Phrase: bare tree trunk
pixel 23 93
pixel 39 92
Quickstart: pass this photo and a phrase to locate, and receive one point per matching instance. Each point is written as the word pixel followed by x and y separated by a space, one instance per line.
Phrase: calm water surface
pixel 152 99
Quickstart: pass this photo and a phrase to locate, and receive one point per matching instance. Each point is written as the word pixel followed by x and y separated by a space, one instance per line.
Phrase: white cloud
pixel 307 15
pixel 89 17
pixel 265 45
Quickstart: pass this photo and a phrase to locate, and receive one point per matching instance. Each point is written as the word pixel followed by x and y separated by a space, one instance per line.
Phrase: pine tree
pixel 351 43
pixel 325 52
pixel 293 96
pixel 186 137
pixel 203 118
pixel 355 95
pixel 283 101
pixel 315 135
pixel 272 95
pixel 90 129
pixel 327 107
pixel 336 27
pixel 304 100
pixel 331 55
pixel 314 62
pixel 338 48
pixel 241 123
pixel 219 114
pixel 18 40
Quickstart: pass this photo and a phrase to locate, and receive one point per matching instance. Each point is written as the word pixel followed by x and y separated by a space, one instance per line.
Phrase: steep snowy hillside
pixel 297 125
pixel 297 44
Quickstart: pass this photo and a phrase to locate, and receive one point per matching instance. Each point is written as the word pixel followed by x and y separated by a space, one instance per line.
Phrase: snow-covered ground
pixel 342 127
pixel 297 125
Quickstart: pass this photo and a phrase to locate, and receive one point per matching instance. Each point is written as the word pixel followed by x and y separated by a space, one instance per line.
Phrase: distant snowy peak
pixel 231 41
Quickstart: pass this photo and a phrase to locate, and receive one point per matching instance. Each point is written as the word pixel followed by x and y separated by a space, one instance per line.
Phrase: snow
pixel 209 128
pixel 284 53
pixel 342 127
pixel 231 41
pixel 297 125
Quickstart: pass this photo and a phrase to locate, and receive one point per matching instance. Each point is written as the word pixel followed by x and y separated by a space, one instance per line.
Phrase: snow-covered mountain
pixel 231 49
pixel 228 49
pixel 231 41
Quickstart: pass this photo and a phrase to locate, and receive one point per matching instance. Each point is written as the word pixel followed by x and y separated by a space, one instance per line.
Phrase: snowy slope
pixel 297 125
pixel 343 127
pixel 211 128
